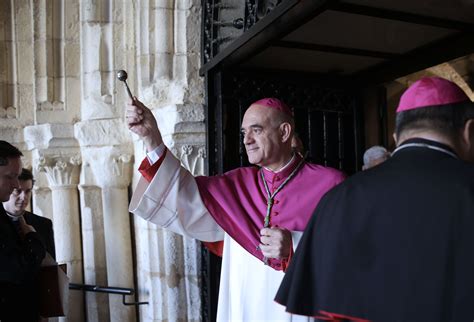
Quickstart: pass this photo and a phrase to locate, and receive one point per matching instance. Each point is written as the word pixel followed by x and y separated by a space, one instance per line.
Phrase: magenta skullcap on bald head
pixel 276 104
pixel 431 91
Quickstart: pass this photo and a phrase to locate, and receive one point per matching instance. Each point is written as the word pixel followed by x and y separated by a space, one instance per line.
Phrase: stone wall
pixel 60 102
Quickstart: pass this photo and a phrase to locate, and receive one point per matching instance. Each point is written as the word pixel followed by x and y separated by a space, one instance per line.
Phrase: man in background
pixel 21 249
pixel 297 145
pixel 374 156
pixel 16 208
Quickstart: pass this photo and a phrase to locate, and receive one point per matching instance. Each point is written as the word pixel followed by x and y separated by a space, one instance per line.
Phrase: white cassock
pixel 247 286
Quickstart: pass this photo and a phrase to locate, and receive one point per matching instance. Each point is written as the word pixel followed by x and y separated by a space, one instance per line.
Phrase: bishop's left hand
pixel 275 242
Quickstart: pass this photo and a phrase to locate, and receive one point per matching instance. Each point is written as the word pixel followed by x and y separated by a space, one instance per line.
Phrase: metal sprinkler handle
pixel 122 76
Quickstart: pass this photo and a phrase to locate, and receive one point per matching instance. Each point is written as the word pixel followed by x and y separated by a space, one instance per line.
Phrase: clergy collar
pixel 283 172
pixel 13 217
pixel 283 167
pixel 425 143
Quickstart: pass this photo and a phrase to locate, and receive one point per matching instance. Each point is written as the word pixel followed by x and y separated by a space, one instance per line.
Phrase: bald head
pixel 374 156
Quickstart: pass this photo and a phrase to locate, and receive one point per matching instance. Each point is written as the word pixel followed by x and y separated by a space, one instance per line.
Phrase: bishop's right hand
pixel 140 120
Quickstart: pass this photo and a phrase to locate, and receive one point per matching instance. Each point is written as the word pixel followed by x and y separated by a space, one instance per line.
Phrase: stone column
pixel 63 176
pixel 111 170
pixel 168 265
pixel 104 138
pixel 56 164
pixel 93 243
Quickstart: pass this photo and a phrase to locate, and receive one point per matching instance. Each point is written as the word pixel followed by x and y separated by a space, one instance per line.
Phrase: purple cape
pixel 237 200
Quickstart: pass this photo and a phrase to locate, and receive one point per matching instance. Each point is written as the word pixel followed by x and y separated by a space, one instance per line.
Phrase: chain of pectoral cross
pixel 271 197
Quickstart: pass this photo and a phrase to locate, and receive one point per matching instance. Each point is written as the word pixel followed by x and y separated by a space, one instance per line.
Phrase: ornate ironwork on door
pixel 225 20
pixel 325 116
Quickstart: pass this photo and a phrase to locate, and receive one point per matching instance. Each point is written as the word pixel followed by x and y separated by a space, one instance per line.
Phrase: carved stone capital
pixel 192 157
pixel 61 171
pixel 108 167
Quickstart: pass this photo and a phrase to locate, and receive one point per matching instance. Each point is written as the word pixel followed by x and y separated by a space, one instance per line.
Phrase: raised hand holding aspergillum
pixel 140 120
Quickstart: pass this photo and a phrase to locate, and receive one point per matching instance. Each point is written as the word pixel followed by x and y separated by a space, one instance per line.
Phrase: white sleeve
pixel 156 154
pixel 172 200
pixel 296 237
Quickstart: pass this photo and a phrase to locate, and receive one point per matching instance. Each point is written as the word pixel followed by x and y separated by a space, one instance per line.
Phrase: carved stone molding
pixel 61 171
pixel 56 60
pixel 8 112
pixel 180 118
pixel 95 133
pixel 9 61
pixel 50 136
pixel 155 57
pixel 100 24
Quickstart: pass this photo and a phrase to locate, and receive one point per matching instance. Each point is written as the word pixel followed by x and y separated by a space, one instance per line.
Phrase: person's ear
pixel 468 138
pixel 285 131
pixel 469 130
pixel 395 139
